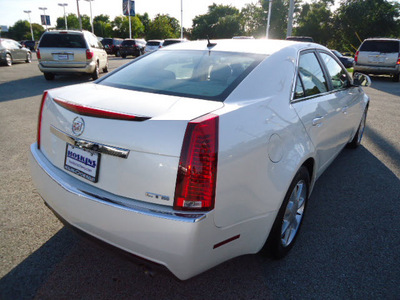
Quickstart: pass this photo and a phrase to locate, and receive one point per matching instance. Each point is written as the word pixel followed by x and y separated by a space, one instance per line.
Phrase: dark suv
pixel 111 45
pixel 379 56
pixel 133 47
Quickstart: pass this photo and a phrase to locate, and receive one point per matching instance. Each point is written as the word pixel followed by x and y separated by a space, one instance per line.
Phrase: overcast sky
pixel 13 10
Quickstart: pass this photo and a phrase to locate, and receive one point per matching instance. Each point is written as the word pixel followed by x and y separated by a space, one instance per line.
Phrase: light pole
pixel 65 16
pixel 91 18
pixel 30 23
pixel 181 19
pixel 269 18
pixel 290 18
pixel 79 15
pixel 44 12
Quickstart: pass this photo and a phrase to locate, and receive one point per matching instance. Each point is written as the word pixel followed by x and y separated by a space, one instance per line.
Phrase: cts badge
pixel 78 126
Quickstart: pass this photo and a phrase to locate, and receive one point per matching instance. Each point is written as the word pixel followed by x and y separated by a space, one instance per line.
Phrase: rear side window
pixel 380 46
pixel 62 40
pixel 128 43
pixel 153 43
pixel 195 74
pixel 311 74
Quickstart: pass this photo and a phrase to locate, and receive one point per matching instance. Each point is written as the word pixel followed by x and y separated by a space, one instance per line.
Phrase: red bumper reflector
pixel 226 241
pixel 98 113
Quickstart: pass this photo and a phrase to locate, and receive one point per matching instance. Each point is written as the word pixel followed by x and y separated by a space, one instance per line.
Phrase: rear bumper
pixel 186 244
pixel 88 69
pixel 368 69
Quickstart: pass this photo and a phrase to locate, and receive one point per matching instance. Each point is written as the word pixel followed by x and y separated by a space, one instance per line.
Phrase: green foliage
pixel 120 27
pixel 221 21
pixel 163 27
pixel 253 20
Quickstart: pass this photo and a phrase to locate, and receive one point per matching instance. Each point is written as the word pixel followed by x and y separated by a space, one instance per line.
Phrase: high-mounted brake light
pixel 39 128
pixel 197 170
pixel 97 112
pixel 89 54
pixel 38 54
pixel 356 56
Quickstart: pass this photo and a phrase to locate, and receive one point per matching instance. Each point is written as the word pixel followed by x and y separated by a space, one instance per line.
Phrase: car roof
pixel 65 31
pixel 382 39
pixel 256 46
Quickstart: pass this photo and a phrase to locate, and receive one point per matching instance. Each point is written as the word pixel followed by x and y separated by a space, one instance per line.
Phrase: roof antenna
pixel 209 44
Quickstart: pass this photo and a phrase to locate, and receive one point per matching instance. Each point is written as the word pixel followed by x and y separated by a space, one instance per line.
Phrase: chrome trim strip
pixel 84 144
pixel 132 205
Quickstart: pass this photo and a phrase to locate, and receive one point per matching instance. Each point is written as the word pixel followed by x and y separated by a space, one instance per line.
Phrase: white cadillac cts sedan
pixel 198 152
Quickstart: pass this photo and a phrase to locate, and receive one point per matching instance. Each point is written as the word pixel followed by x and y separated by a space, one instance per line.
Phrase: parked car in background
pixel 300 39
pixel 31 45
pixel 168 42
pixel 153 45
pixel 194 155
pixel 133 47
pixel 379 56
pixel 347 61
pixel 11 51
pixel 70 51
pixel 112 45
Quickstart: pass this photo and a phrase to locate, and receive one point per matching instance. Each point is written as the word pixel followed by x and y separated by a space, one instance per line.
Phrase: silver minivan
pixel 379 56
pixel 70 51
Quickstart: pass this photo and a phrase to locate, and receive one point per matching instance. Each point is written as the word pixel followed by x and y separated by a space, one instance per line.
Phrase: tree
pixel 253 20
pixel 163 27
pixel 20 31
pixel 102 26
pixel 315 20
pixel 221 21
pixel 356 20
pixel 145 19
pixel 120 27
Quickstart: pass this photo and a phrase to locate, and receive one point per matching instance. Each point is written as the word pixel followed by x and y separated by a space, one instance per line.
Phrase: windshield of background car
pixel 62 40
pixel 196 74
pixel 380 46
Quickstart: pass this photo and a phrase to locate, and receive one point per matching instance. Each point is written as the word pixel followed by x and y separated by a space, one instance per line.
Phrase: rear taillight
pixel 356 56
pixel 38 54
pixel 197 170
pixel 39 128
pixel 398 60
pixel 89 54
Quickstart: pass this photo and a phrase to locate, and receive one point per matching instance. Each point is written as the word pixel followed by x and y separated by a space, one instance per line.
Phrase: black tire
pixel 105 69
pixel 28 58
pixel 123 55
pixel 356 141
pixel 49 76
pixel 287 224
pixel 9 60
pixel 96 72
pixel 396 77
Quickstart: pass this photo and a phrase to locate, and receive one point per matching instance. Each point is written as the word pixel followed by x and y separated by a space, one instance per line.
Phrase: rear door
pixel 64 49
pixel 319 109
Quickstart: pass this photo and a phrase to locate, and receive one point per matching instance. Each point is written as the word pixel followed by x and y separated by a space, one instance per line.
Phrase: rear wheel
pixel 95 74
pixel 396 77
pixel 123 55
pixel 105 69
pixel 28 58
pixel 290 216
pixel 49 76
pixel 9 60
pixel 356 141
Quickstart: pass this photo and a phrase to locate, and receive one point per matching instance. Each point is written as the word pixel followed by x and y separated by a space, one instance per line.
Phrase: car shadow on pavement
pixel 34 86
pixel 385 84
pixel 348 249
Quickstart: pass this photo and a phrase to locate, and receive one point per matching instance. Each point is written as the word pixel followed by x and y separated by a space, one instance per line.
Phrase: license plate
pixel 376 59
pixel 62 56
pixel 82 162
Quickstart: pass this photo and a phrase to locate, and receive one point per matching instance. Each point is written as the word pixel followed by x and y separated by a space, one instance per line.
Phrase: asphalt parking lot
pixel 349 247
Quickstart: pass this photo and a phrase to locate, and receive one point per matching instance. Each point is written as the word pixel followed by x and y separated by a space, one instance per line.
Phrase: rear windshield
pixel 128 43
pixel 166 43
pixel 62 40
pixel 153 43
pixel 106 41
pixel 197 74
pixel 380 46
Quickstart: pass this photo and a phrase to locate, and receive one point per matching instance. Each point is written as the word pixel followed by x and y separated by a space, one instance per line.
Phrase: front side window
pixel 311 74
pixel 197 74
pixel 336 72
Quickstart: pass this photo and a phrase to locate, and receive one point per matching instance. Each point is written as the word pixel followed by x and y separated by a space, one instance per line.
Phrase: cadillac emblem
pixel 78 126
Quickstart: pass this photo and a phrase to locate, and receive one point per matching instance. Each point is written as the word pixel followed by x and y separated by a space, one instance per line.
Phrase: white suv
pixel 69 51
pixel 379 56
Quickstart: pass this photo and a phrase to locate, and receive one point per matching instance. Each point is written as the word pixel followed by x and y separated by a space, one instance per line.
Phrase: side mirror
pixel 361 79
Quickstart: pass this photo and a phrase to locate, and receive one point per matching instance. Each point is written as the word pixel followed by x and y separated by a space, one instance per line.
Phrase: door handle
pixel 344 109
pixel 317 121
